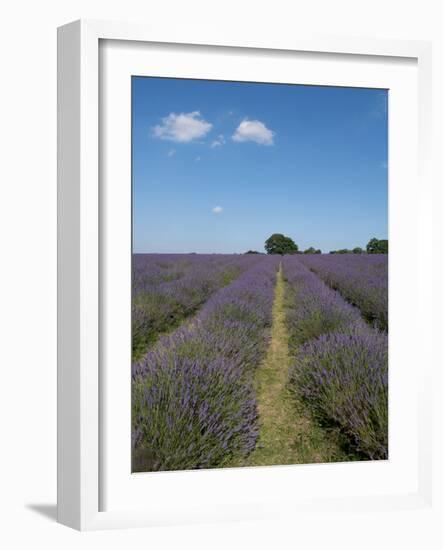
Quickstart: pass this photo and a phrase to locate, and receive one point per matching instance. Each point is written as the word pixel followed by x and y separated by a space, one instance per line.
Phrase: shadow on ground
pixel 48 511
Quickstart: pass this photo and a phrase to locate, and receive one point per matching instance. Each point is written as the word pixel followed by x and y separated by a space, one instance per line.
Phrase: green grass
pixel 288 434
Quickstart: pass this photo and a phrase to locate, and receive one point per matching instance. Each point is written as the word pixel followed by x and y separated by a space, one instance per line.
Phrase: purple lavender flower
pixel 313 308
pixel 343 377
pixel 167 288
pixel 194 404
pixel 340 363
pixel 361 279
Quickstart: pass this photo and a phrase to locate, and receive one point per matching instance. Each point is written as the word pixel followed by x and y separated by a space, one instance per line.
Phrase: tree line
pixel 281 244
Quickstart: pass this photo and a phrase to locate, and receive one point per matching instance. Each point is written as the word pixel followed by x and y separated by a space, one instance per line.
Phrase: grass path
pixel 287 433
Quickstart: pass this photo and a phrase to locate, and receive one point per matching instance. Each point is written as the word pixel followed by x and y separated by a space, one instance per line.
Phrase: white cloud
pixel 182 128
pixel 217 209
pixel 171 152
pixel 254 130
pixel 219 141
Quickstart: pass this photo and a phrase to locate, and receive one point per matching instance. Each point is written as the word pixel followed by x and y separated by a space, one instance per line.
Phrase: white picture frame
pixel 80 396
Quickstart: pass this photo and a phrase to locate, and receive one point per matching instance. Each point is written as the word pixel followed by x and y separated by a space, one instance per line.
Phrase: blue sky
pixel 220 166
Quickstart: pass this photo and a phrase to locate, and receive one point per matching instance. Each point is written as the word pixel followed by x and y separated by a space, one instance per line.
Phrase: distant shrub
pixel 376 246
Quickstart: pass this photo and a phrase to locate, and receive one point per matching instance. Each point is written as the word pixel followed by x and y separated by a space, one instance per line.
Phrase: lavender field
pixel 253 359
pixel 361 279
pixel 263 340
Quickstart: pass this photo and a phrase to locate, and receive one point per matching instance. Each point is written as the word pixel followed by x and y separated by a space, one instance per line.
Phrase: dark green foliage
pixel 356 250
pixel 252 252
pixel 310 250
pixel 280 244
pixel 376 246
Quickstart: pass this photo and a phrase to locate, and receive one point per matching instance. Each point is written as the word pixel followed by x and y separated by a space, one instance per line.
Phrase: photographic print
pixel 259 274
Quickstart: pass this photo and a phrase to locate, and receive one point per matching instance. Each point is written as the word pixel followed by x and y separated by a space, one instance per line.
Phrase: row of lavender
pixel 167 288
pixel 194 405
pixel 361 279
pixel 340 363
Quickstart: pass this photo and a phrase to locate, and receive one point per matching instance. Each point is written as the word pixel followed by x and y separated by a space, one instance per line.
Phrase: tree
pixel 252 252
pixel 384 246
pixel 310 250
pixel 280 244
pixel 318 251
pixel 376 246
pixel 357 250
